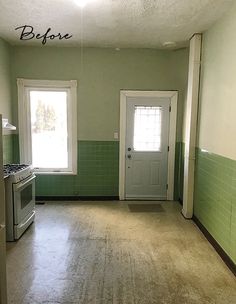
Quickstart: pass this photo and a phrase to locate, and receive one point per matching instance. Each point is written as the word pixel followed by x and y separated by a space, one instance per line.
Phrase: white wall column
pixel 191 123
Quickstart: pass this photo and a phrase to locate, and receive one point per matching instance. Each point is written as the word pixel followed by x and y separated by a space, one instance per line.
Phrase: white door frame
pixel 173 95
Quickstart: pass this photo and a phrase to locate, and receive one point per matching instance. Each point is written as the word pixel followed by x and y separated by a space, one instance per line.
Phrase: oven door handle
pixel 32 214
pixel 23 183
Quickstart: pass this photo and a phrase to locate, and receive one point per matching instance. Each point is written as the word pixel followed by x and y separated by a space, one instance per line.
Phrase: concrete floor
pixel 101 253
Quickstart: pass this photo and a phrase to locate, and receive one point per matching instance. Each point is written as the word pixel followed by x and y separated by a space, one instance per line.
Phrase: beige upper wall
pixel 101 74
pixel 5 80
pixel 217 116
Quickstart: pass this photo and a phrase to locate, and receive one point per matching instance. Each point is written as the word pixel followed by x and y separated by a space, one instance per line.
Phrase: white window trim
pixel 173 95
pixel 24 129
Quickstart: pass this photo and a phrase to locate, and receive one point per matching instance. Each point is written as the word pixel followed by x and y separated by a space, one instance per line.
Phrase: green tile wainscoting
pixel 98 173
pixel 11 149
pixel 215 198
pixel 179 171
pixel 98 170
pixel 8 143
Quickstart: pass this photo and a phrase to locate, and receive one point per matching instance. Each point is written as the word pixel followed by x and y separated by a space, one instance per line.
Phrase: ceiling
pixel 111 23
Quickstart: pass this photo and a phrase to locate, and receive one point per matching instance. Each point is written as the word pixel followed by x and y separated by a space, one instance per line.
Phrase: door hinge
pixel 168 149
pixel 169 108
pixel 166 186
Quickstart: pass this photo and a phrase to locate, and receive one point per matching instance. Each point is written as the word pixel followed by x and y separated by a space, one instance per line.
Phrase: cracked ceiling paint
pixel 112 23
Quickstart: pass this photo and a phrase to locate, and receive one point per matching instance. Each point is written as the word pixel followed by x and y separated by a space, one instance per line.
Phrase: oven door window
pixel 26 196
pixel 24 200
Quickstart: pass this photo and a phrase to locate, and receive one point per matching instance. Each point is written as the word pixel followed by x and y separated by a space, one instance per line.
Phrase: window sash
pixel 24 88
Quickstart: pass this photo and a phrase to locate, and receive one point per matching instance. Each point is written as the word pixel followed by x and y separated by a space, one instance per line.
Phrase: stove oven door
pixel 24 199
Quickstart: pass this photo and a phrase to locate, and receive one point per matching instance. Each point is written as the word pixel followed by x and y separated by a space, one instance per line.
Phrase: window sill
pixel 54 173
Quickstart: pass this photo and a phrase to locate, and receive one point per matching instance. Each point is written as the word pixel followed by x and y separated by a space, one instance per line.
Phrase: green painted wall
pixel 5 98
pixel 215 184
pixel 5 80
pixel 101 74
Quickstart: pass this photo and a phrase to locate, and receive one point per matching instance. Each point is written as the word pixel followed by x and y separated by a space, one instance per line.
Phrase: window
pixel 47 125
pixel 147 128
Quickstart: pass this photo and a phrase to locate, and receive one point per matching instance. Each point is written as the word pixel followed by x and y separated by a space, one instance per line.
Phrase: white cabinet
pixel 3 296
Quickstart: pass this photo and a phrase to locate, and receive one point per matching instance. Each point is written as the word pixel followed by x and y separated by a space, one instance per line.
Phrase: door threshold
pixel 146 199
pixel 144 202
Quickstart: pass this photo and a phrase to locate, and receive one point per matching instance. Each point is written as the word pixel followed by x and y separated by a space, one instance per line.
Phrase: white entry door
pixel 147 135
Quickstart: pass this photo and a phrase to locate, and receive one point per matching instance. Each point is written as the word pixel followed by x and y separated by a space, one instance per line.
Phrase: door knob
pixel 129 149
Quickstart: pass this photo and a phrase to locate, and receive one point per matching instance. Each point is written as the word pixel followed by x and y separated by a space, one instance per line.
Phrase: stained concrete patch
pixel 145 208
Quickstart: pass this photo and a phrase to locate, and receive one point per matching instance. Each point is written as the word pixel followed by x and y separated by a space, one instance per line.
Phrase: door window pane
pixel 48 113
pixel 147 128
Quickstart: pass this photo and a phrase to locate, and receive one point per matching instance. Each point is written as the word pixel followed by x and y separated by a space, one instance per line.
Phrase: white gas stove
pixel 17 172
pixel 20 199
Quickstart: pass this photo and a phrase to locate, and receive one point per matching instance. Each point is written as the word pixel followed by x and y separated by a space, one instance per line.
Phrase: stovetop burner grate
pixel 13 168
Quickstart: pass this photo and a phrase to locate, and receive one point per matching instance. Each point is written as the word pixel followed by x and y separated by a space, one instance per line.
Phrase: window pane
pixel 147 128
pixel 49 129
